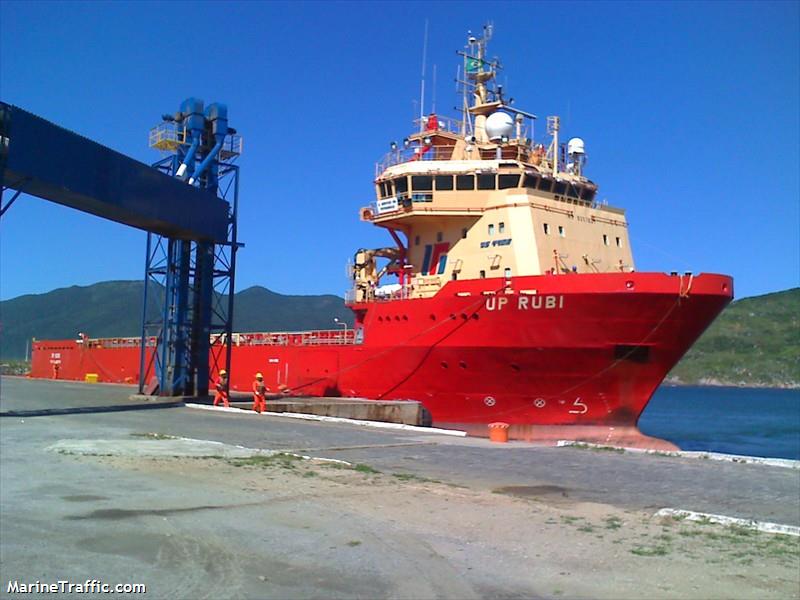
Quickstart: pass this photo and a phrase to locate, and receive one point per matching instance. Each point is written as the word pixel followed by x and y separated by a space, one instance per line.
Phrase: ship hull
pixel 539 353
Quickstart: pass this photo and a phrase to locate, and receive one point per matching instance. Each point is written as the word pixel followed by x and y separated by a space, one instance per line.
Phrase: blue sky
pixel 689 111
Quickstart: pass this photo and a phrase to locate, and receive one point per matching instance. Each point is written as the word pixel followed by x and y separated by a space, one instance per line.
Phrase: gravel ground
pixel 223 513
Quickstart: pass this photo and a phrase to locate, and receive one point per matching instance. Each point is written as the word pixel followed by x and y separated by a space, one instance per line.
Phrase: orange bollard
pixel 498 432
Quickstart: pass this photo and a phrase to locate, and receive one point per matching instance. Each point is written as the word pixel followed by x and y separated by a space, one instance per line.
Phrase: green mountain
pixel 114 309
pixel 754 342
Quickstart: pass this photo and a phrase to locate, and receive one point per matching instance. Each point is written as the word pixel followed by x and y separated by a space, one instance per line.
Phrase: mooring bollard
pixel 498 432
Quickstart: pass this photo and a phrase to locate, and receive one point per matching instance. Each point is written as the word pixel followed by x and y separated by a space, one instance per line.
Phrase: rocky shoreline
pixel 713 382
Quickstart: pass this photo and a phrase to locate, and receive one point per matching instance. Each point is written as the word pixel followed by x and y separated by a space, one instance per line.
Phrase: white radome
pixel 576 146
pixel 499 124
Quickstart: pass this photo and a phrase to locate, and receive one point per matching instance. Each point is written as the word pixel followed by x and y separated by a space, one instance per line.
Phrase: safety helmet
pixel 222 372
pixel 259 376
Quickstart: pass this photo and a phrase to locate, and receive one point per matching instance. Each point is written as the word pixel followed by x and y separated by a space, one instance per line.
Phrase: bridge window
pixel 545 184
pixel 505 182
pixel 501 227
pixel 572 191
pixel 444 182
pixel 401 185
pixel 588 194
pixel 422 183
pixel 531 181
pixel 465 182
pixel 491 228
pixel 486 181
pixel 559 188
pixel 546 228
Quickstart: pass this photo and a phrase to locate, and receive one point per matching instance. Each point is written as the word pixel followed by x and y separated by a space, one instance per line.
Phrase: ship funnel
pixel 499 125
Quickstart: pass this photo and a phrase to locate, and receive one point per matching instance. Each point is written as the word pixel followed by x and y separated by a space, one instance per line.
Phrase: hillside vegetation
pixel 114 309
pixel 754 342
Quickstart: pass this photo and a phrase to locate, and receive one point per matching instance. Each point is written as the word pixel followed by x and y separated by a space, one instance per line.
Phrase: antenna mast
pixel 422 85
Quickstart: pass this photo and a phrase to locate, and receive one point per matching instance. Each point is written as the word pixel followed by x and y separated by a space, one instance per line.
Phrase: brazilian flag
pixel 474 65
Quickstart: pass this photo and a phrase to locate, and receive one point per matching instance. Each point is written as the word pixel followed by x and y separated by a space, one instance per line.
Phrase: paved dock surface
pixel 63 516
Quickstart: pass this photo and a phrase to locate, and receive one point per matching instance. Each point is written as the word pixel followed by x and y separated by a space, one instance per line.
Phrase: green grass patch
pixel 154 436
pixel 353 543
pixel 412 477
pixel 362 468
pixel 281 460
pixel 650 550
pixel 613 522
pixel 569 520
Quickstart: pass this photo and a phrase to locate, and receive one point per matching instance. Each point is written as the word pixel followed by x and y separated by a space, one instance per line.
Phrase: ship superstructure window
pixel 546 228
pixel 531 181
pixel 507 272
pixel 439 236
pixel 401 186
pixel 505 182
pixel 559 188
pixel 444 182
pixel 486 181
pixel 619 243
pixel 545 184
pixel 421 183
pixel 386 188
pixel 465 182
pixel 482 274
pixel 605 240
pixel 572 191
pixel 491 228
pixel 464 233
pixel 561 231
pixel 416 240
pixel 588 194
pixel 501 227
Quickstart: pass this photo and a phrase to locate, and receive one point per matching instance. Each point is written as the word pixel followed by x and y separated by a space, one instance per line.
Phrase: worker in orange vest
pixel 259 394
pixel 222 389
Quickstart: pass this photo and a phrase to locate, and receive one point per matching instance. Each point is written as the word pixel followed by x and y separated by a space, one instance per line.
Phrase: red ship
pixel 513 294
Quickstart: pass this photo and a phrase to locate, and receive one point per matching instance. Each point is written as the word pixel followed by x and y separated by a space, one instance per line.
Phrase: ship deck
pixel 418 514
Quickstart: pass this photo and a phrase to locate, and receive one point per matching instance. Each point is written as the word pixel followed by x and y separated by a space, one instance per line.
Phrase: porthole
pixel 444 364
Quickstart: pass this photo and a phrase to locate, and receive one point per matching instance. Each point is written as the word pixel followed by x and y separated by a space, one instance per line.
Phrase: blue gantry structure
pixel 188 204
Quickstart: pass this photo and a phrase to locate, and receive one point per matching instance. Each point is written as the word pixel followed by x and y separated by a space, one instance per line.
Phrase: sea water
pixel 752 422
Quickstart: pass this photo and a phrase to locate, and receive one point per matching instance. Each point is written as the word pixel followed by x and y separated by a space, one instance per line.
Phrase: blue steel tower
pixel 192 333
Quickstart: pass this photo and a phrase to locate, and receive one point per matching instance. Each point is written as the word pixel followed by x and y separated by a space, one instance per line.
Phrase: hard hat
pixel 259 376
pixel 223 372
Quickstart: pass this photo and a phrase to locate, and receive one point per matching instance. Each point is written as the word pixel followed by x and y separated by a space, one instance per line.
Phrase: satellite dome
pixel 576 146
pixel 499 124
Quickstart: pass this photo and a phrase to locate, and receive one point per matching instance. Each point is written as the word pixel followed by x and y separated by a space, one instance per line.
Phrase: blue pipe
pixel 220 137
pixel 189 158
